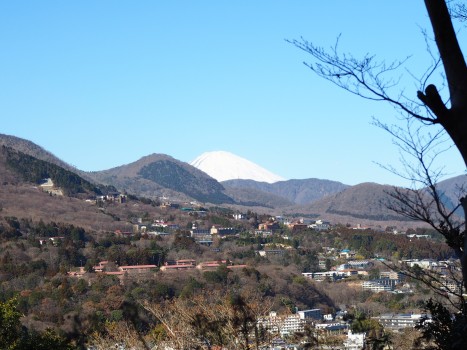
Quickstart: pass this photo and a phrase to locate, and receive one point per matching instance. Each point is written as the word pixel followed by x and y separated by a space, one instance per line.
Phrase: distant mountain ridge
pixel 250 197
pixel 32 149
pixel 363 201
pixel 223 166
pixel 295 191
pixel 159 175
pixel 370 201
pixel 451 190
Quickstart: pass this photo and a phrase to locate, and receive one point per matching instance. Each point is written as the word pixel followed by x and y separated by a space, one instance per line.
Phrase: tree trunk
pixel 463 257
pixel 450 51
pixel 456 126
pixel 454 119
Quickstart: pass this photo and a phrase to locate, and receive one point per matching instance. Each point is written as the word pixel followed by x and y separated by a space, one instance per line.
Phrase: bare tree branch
pixel 363 77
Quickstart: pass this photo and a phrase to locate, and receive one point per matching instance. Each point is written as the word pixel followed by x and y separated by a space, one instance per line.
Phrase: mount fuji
pixel 223 166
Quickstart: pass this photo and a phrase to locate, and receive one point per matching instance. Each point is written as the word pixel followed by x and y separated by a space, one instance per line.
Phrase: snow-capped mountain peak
pixel 223 166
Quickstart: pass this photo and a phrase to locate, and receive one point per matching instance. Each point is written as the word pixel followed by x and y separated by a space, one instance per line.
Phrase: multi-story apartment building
pixel 399 321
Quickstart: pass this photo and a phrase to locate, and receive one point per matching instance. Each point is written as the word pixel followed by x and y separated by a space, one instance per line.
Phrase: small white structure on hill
pixel 48 186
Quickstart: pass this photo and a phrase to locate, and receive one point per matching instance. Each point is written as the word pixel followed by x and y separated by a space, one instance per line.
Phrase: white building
pixel 289 324
pixel 376 286
pixel 424 263
pixel 331 275
pixel 355 341
pixel 399 321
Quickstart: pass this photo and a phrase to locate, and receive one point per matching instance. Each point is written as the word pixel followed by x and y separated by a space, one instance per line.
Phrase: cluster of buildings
pixel 445 272
pixel 187 264
pixel 107 268
pixel 113 197
pixel 347 269
pixel 289 324
pixel 274 224
pixel 386 281
pixel 285 325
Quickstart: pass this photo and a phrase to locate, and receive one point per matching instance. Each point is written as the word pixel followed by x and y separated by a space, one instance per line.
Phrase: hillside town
pixel 302 280
pixel 243 175
pixel 334 267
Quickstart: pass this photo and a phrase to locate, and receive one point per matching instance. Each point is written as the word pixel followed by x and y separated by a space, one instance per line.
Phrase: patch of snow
pixel 223 166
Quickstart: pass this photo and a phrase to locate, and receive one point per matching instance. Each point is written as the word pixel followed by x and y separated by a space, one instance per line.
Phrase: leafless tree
pixel 380 81
pixel 212 319
pixel 459 11
pixel 375 80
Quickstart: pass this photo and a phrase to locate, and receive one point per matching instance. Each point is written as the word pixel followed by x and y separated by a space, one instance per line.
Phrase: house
pixel 196 232
pixel 271 252
pixel 212 264
pixel 182 262
pixel 102 265
pixel 112 197
pixel 320 225
pixel 360 264
pixel 355 341
pixel 176 265
pixel 206 265
pixel 239 216
pixel 356 264
pixel 157 233
pixel 392 275
pixel 424 263
pixel 263 233
pixel 202 236
pixel 419 236
pixel 346 254
pixel 297 226
pixel 452 286
pixel 332 328
pixel 222 231
pixel 269 226
pixel 137 268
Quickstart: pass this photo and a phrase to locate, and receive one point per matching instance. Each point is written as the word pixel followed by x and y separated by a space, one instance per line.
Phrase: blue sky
pixel 103 83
